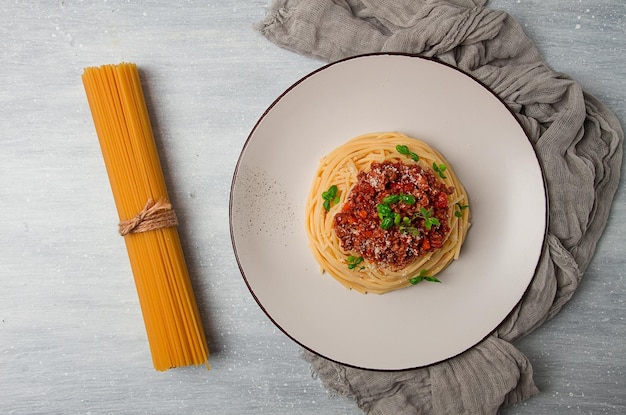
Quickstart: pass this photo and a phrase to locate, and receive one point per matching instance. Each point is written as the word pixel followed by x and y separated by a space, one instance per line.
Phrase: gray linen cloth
pixel 578 142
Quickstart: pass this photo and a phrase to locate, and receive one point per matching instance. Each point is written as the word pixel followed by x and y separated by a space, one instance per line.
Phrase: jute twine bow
pixel 153 216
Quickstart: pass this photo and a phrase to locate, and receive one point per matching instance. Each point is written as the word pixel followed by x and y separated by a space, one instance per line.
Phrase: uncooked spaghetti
pixel 147 222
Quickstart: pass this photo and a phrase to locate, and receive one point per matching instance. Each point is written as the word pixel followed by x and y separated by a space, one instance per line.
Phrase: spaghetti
pixel 382 192
pixel 171 317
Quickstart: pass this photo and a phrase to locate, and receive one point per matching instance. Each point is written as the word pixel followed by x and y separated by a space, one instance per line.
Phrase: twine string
pixel 155 215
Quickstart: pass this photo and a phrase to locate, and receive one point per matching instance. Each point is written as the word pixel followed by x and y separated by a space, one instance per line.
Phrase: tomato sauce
pixel 418 228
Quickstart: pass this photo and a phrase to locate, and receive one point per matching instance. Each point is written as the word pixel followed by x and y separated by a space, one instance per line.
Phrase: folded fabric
pixel 578 142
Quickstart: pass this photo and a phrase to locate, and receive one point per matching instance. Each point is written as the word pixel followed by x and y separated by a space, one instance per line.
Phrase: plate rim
pixel 294 85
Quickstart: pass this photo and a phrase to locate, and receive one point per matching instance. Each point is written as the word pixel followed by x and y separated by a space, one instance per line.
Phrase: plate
pixel 481 139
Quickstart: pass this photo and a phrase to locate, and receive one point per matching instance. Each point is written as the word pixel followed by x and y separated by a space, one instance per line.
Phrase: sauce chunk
pixel 418 227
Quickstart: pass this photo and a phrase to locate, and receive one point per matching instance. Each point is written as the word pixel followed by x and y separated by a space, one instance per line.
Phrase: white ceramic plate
pixel 479 136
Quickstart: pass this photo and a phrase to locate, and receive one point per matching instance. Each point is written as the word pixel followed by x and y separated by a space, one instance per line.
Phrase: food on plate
pixel 385 211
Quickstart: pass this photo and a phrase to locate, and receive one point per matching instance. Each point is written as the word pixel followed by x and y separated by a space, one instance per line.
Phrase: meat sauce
pixel 358 224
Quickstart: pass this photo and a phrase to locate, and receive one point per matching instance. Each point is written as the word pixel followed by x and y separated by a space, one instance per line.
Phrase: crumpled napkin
pixel 577 140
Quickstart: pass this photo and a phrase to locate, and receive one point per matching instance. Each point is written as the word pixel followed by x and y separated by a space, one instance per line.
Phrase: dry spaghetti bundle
pixel 147 221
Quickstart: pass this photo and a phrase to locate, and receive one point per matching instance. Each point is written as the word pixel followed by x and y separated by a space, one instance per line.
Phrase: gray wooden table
pixel 71 334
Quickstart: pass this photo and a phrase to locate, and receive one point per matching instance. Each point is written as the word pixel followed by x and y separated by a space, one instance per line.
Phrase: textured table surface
pixel 71 334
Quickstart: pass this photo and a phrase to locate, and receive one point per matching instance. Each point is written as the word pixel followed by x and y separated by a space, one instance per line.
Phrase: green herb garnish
pixel 440 168
pixel 422 277
pixel 383 210
pixel 354 261
pixel 429 220
pixel 411 230
pixel 396 219
pixel 459 212
pixel 409 199
pixel 404 150
pixel 387 222
pixel 330 196
pixel 387 216
pixel 388 200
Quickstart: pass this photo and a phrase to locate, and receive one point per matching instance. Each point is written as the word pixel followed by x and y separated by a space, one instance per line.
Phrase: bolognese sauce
pixel 394 214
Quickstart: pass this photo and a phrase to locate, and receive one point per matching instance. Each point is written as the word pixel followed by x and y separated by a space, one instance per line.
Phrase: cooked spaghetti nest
pixel 341 168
